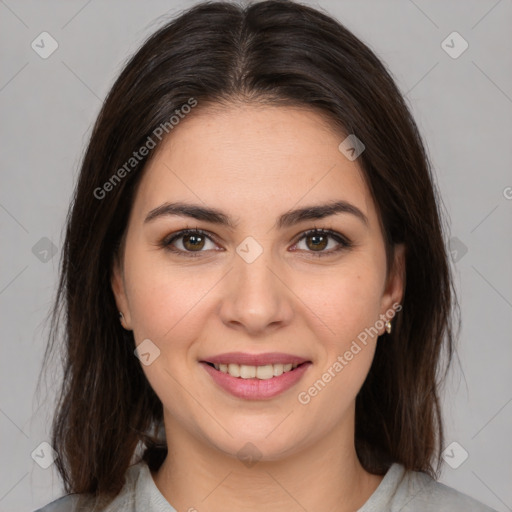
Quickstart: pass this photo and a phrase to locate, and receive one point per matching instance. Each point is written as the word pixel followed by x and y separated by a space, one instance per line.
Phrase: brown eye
pixel 317 240
pixel 189 242
pixel 193 242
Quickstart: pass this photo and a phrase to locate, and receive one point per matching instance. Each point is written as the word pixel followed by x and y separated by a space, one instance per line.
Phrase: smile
pixel 264 372
pixel 255 382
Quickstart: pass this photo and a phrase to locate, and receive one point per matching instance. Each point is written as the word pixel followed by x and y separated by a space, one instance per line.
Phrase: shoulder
pixel 64 504
pixel 124 501
pixel 418 492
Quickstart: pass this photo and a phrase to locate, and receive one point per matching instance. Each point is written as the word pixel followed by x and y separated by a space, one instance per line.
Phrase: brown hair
pixel 279 53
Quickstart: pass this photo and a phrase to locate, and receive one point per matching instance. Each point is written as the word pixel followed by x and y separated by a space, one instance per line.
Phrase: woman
pixel 256 288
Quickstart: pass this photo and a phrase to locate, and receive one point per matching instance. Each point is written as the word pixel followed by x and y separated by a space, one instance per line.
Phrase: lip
pixel 254 359
pixel 256 389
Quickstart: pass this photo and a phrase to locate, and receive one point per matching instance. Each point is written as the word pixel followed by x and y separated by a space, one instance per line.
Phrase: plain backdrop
pixel 462 104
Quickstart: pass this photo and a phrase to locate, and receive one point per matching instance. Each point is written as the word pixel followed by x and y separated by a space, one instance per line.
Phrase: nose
pixel 256 298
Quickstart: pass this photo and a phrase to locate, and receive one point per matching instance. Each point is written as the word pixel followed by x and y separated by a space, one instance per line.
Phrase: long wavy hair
pixel 274 52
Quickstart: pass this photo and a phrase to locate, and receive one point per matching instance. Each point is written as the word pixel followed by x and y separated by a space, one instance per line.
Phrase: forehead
pixel 252 158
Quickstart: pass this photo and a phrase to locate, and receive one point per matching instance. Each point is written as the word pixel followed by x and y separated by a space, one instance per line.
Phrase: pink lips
pixel 256 389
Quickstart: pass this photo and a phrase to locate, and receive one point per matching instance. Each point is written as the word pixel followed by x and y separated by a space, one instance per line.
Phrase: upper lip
pixel 255 359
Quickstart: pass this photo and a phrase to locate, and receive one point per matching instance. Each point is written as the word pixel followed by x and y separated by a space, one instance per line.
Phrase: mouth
pixel 262 372
pixel 263 381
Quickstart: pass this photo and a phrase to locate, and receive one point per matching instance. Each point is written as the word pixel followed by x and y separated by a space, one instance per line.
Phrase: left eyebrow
pixel 287 219
pixel 319 212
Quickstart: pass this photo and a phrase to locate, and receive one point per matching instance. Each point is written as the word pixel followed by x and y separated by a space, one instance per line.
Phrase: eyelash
pixel 344 242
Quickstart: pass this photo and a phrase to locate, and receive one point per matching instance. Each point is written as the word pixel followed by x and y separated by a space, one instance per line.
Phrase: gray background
pixel 463 107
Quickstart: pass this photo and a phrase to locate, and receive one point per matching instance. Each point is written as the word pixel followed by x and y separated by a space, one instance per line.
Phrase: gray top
pixel 399 491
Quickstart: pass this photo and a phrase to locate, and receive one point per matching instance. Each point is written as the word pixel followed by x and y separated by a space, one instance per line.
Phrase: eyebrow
pixel 287 219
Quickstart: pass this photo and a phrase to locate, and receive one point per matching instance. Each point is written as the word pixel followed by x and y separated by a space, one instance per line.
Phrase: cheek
pixel 167 309
pixel 164 302
pixel 347 302
pixel 349 308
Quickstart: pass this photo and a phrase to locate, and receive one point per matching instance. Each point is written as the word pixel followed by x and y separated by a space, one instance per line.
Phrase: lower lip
pixel 256 389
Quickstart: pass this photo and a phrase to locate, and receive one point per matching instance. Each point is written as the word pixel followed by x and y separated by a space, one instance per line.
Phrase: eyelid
pixel 167 241
pixel 344 242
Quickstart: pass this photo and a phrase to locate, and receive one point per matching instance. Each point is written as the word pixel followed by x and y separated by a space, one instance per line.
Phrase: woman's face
pixel 251 282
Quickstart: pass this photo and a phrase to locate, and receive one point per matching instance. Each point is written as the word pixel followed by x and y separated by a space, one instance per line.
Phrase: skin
pixel 254 163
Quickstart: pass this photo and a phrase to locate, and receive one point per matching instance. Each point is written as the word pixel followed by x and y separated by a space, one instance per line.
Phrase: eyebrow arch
pixel 288 219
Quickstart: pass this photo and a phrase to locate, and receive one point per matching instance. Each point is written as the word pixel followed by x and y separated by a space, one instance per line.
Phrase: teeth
pixel 250 372
pixel 278 369
pixel 264 372
pixel 233 369
pixel 247 372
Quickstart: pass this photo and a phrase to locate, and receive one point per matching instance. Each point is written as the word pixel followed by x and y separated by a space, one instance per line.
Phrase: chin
pixel 253 446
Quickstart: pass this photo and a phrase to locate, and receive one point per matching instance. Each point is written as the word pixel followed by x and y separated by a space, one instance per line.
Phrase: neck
pixel 326 476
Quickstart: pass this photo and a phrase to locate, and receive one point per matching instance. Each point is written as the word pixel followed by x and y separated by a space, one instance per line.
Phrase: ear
pixel 395 286
pixel 118 288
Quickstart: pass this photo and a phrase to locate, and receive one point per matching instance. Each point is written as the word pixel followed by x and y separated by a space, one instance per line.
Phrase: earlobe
pixel 395 288
pixel 118 289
